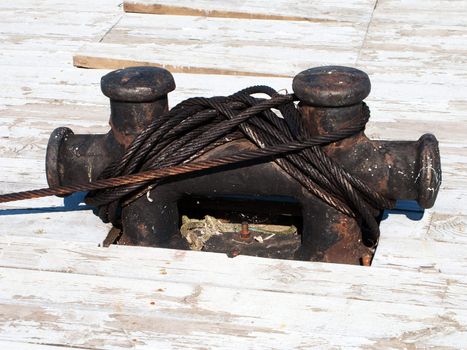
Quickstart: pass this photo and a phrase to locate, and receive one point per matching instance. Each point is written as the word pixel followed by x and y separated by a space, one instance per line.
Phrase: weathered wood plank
pixel 58 222
pixel 356 11
pixel 424 95
pixel 414 53
pixel 419 255
pixel 252 47
pixel 44 34
pixel 185 315
pixel 416 36
pixel 243 272
pixel 307 317
pixel 448 228
pixel 450 12
pixel 22 26
pixel 106 6
pixel 439 239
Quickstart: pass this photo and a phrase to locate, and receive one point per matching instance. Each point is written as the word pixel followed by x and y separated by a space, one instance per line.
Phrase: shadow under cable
pixel 74 202
pixel 410 209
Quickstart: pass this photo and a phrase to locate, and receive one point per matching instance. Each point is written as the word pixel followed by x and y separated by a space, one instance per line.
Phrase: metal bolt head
pixel 245 231
pixel 331 86
pixel 137 84
pixel 366 260
pixel 234 252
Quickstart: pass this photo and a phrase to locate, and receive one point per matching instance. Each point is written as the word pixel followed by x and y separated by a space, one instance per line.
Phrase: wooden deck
pixel 60 289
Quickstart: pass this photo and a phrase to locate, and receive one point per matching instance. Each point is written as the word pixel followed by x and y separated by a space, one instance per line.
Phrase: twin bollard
pixel 329 99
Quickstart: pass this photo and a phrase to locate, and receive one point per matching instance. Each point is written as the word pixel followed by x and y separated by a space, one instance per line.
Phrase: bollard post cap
pixel 331 86
pixel 137 84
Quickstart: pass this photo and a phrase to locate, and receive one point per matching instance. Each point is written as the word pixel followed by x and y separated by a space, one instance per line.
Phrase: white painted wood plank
pixel 253 47
pixel 34 56
pixel 419 254
pixel 44 33
pixel 438 240
pixel 448 228
pixel 43 94
pixel 66 304
pixel 397 226
pixel 451 201
pixel 108 315
pixel 196 31
pixel 416 35
pixel 242 272
pixel 450 12
pixel 53 222
pixel 21 26
pixel 411 129
pixel 356 11
pixel 425 95
pixel 434 227
pixel 106 6
pixel 414 53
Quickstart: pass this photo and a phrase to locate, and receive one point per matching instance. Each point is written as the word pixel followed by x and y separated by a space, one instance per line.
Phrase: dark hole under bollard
pixel 269 226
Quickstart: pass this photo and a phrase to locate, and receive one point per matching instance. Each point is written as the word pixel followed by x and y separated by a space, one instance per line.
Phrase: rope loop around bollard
pixel 170 145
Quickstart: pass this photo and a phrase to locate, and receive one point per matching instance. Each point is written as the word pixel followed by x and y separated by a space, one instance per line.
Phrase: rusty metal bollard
pixel 137 96
pixel 330 97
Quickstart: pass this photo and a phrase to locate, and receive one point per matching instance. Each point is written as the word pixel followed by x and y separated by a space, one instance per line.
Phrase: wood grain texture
pixel 420 254
pixel 84 6
pixel 251 273
pixel 157 302
pixel 223 46
pixel 416 36
pixel 448 228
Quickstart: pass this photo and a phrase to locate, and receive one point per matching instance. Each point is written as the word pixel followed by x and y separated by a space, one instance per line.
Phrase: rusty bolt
pixel 233 253
pixel 366 260
pixel 245 232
